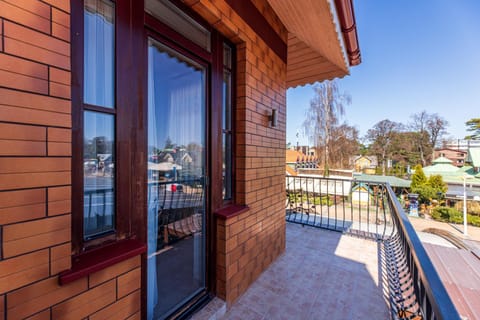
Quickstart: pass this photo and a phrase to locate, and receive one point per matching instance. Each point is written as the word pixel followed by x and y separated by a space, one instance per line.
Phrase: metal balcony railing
pixel 179 208
pixel 371 210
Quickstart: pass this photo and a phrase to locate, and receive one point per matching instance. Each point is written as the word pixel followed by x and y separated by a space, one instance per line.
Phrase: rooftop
pixel 393 181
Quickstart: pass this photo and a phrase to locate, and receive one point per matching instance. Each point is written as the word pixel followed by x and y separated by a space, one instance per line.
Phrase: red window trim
pixel 101 258
pixel 231 211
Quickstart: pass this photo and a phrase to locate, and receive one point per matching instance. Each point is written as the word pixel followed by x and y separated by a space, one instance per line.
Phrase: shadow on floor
pixel 322 275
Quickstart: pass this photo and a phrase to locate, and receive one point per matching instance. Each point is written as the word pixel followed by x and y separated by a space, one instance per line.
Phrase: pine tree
pixel 418 178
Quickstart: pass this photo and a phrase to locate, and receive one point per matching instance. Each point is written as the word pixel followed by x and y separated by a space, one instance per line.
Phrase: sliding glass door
pixel 176 179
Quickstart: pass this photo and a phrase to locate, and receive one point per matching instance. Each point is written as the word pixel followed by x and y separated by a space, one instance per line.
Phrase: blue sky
pixel 416 55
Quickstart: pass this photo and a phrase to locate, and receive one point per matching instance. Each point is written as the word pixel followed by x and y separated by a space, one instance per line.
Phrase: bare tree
pixel 436 128
pixel 429 129
pixel 419 126
pixel 381 137
pixel 326 107
pixel 343 145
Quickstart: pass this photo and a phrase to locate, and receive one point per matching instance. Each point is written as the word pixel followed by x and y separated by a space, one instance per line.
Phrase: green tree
pixel 437 183
pixel 427 189
pixel 419 178
pixel 473 125
pixel 425 193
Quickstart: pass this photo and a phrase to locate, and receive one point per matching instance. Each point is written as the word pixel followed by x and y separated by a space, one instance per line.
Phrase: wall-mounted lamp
pixel 273 118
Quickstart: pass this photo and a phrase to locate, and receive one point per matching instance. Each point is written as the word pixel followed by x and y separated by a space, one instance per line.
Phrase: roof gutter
pixel 346 17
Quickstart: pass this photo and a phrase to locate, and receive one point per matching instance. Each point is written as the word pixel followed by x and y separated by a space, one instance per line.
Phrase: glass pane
pixel 227 166
pixel 227 56
pixel 176 187
pixel 176 19
pixel 227 136
pixel 99 53
pixel 227 101
pixel 99 174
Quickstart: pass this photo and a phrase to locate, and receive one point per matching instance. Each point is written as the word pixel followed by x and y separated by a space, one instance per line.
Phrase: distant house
pixel 455 177
pixel 295 160
pixel 306 150
pixel 456 155
pixel 399 185
pixel 365 164
pixel 462 144
pixel 362 194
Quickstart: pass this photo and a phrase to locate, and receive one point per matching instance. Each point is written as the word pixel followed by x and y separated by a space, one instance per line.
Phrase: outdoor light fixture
pixel 273 118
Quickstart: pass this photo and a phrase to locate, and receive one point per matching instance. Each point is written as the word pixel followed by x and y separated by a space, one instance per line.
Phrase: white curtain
pixel 178 115
pixel 185 123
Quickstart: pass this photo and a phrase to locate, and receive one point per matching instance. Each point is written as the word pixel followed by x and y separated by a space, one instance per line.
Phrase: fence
pixel 372 210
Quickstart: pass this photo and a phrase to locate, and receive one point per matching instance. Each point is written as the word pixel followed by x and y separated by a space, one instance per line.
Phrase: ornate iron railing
pixel 372 210
pixel 425 284
pixel 358 208
pixel 180 208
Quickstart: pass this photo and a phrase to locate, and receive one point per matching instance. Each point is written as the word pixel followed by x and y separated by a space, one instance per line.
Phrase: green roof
pixel 452 176
pixel 468 170
pixel 393 181
pixel 474 156
pixel 442 160
pixel 442 166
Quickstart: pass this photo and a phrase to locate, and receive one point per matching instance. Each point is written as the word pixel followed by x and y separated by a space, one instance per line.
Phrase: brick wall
pixel 35 176
pixel 35 168
pixel 248 243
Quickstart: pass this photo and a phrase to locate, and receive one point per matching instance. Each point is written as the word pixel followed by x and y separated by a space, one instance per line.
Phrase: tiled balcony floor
pixel 322 275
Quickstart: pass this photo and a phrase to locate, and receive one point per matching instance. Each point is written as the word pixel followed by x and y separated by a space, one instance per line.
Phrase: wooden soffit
pixel 316 50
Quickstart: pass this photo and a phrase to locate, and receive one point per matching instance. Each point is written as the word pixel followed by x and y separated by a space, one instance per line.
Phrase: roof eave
pixel 322 42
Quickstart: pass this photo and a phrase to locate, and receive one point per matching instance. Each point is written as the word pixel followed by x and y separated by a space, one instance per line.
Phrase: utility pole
pixel 297 140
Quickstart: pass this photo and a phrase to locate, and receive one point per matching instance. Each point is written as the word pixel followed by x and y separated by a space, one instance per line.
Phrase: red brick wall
pixel 35 168
pixel 35 176
pixel 248 243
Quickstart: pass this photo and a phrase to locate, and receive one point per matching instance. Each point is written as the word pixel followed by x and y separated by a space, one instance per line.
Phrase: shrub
pixel 473 220
pixel 447 214
pixel 323 200
pixel 300 197
pixel 454 216
pixel 473 207
pixel 425 193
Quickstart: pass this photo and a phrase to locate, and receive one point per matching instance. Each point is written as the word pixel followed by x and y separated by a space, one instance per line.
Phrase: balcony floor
pixel 322 275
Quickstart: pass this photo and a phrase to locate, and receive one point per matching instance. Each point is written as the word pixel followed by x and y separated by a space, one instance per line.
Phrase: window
pixel 227 132
pixel 172 16
pixel 98 120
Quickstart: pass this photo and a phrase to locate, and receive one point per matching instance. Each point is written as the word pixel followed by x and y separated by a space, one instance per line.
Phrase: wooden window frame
pixel 233 99
pixel 122 218
pixel 131 31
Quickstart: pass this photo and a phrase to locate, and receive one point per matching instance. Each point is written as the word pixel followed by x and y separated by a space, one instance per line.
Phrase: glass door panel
pixel 176 188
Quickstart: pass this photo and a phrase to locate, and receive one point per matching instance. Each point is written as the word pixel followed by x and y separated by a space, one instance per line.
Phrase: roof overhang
pixel 322 40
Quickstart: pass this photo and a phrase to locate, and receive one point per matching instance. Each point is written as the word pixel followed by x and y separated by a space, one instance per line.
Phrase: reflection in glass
pixel 99 48
pixel 99 174
pixel 176 169
pixel 227 133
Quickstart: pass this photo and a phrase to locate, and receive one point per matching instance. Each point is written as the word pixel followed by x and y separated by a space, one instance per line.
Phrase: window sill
pixel 101 258
pixel 231 211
